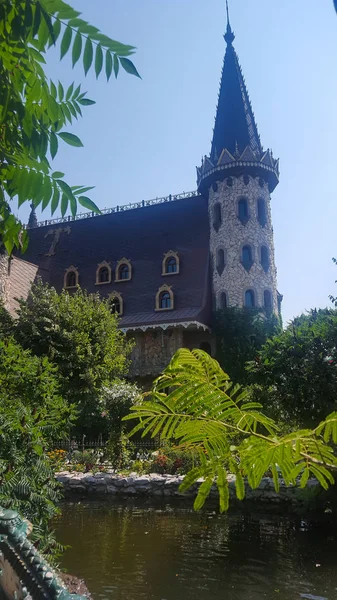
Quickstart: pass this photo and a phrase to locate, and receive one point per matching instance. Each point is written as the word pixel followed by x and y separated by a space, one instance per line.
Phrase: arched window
pixel 164 298
pixel 220 260
pixel 103 273
pixel 223 300
pixel 70 278
pixel 261 212
pixel 265 258
pixel 217 217
pixel 249 299
pixel 247 257
pixel 170 264
pixel 267 299
pixel 123 270
pixel 243 213
pixel 116 303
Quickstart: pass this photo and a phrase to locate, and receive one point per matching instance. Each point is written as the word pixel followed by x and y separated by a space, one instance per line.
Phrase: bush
pixel 173 461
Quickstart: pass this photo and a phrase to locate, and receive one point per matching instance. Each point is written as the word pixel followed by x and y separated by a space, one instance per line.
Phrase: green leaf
pixel 53 90
pixel 28 15
pixel 37 19
pixel 77 48
pixel 64 204
pixel 57 175
pixel 48 24
pixel 116 65
pixel 66 41
pixel 203 492
pixel 53 144
pixel 73 206
pixel 77 92
pixel 87 56
pixel 65 188
pixel 128 66
pixel 87 203
pixel 57 29
pixel 70 139
pixel 61 91
pixel 69 92
pixel 86 101
pixel 108 65
pixel 47 192
pixel 55 200
pixel 98 60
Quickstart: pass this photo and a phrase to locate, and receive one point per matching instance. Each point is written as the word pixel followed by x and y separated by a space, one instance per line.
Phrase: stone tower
pixel 238 177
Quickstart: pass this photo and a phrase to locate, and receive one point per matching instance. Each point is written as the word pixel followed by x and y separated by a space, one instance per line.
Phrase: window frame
pixel 121 263
pixel 254 303
pixel 164 289
pixel 247 265
pixel 118 296
pixel 100 266
pixel 243 219
pixel 167 256
pixel 68 271
pixel 265 264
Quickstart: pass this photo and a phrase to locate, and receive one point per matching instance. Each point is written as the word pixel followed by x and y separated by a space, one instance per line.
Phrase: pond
pixel 131 550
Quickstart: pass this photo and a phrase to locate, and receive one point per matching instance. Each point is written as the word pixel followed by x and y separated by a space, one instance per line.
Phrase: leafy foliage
pixel 295 373
pixel 80 335
pixel 240 334
pixel 31 413
pixel 116 401
pixel 34 111
pixel 205 412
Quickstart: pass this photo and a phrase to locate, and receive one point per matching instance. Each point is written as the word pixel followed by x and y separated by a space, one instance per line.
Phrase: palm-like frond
pixel 202 410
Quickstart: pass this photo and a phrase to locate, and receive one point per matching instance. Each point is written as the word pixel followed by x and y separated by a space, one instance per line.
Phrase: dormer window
pixel 123 270
pixel 171 264
pixel 115 301
pixel 70 278
pixel 103 273
pixel 164 298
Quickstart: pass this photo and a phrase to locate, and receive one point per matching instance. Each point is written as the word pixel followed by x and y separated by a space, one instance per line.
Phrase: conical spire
pixel 32 221
pixel 235 126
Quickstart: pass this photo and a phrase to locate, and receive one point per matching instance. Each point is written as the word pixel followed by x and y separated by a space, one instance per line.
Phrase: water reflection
pixel 129 550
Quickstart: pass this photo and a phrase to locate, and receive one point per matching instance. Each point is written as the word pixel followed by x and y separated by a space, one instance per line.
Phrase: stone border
pixel 167 486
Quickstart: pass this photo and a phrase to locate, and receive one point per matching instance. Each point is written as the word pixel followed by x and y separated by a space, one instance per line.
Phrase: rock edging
pixel 167 486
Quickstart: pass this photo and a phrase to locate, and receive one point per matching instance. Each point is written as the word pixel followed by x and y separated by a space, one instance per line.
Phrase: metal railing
pixel 117 209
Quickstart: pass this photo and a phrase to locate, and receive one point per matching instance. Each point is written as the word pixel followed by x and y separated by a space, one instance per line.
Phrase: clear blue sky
pixel 144 138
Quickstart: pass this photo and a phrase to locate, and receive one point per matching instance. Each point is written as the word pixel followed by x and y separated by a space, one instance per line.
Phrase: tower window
pixel 243 213
pixel 267 299
pixel 265 258
pixel 171 265
pixel 261 212
pixel 223 300
pixel 247 257
pixel 249 299
pixel 220 260
pixel 217 217
pixel 123 270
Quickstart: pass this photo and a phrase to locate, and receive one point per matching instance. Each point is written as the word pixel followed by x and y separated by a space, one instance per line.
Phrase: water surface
pixel 131 551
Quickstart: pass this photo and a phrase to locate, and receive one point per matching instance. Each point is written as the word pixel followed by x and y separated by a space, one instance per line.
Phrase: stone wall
pixel 232 235
pixel 167 486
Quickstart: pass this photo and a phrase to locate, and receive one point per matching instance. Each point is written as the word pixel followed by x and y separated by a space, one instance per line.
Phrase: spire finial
pixel 32 222
pixel 229 35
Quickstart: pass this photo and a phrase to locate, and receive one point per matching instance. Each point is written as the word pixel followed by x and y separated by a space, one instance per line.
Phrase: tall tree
pixel 34 111
pixel 80 335
pixel 295 373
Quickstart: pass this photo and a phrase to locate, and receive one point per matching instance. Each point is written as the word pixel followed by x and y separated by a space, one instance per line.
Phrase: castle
pixel 167 264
